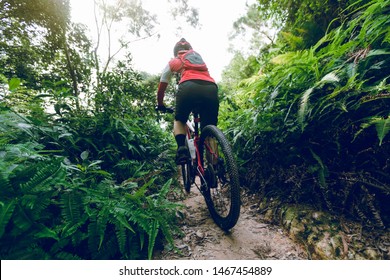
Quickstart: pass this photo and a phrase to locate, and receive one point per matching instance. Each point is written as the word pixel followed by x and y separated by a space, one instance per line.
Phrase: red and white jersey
pixel 190 65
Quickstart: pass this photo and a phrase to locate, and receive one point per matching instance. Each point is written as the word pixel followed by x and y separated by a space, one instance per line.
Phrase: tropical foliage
pixel 85 168
pixel 81 184
pixel 312 123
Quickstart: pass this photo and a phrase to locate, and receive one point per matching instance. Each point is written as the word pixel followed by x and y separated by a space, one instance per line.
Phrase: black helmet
pixel 180 46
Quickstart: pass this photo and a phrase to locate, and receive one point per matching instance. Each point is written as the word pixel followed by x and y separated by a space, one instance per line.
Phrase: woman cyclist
pixel 196 89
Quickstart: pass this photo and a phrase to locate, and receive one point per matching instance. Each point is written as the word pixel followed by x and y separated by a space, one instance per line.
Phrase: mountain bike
pixel 213 163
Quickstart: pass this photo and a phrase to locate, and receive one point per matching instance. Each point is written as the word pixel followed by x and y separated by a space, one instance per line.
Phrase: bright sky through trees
pixel 211 39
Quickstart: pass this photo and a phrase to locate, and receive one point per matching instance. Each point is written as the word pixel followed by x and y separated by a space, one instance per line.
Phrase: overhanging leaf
pixel 45 232
pixel 123 221
pixel 382 128
pixel 13 84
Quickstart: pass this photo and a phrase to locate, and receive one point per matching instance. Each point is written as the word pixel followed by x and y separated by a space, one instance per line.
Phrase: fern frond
pixel 109 249
pixel 22 219
pixel 30 252
pixel 101 224
pixel 6 210
pixel 284 59
pixel 292 40
pixel 152 232
pixel 123 221
pixel 322 174
pixel 141 239
pixel 59 246
pixel 382 126
pixel 162 195
pixel 47 175
pixel 93 236
pixel 141 192
pixel 45 232
pixel 120 232
pixel 69 229
pixel 5 185
pixel 167 232
pixel 330 78
pixel 71 203
pixel 303 108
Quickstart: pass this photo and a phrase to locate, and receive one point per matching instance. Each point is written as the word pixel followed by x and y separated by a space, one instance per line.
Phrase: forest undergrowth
pixel 311 124
pixel 86 164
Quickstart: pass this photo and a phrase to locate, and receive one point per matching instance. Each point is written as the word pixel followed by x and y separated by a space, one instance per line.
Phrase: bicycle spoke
pixel 221 198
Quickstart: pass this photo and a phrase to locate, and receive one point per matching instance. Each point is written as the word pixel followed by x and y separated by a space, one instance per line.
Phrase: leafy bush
pixel 85 167
pixel 313 125
pixel 80 186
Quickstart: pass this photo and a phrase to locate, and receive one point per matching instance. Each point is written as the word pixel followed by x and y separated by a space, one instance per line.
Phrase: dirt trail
pixel 250 239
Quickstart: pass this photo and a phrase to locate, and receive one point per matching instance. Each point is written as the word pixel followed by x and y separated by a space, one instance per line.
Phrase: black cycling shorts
pixel 200 95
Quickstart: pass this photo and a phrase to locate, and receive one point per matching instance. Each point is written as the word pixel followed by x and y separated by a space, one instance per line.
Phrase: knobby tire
pixel 223 200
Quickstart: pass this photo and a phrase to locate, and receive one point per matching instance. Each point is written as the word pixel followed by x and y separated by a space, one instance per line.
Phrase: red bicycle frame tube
pixel 195 131
pixel 198 155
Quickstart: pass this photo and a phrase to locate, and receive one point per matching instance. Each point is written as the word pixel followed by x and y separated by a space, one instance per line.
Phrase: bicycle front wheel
pixel 220 186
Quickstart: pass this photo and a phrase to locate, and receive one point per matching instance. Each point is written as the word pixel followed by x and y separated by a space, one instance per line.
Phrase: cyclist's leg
pixel 209 114
pixel 180 133
pixel 182 154
pixel 183 109
pixel 209 104
pixel 184 103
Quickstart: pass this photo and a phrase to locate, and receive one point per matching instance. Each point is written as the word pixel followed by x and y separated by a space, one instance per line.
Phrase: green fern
pixel 23 220
pixel 38 204
pixel 382 126
pixel 152 232
pixel 70 204
pixel 93 236
pixel 68 229
pixel 295 42
pixel 101 224
pixel 73 209
pixel 45 232
pixel 5 185
pixel 123 220
pixel 47 175
pixel 142 239
pixel 109 249
pixel 6 211
pixel 330 78
pixel 121 235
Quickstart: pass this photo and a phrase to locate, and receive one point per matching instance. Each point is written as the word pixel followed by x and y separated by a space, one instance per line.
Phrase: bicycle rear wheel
pixel 221 187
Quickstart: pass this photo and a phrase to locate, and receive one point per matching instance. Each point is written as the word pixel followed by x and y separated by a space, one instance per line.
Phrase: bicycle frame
pixel 190 129
pixel 213 162
pixel 215 166
pixel 196 136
